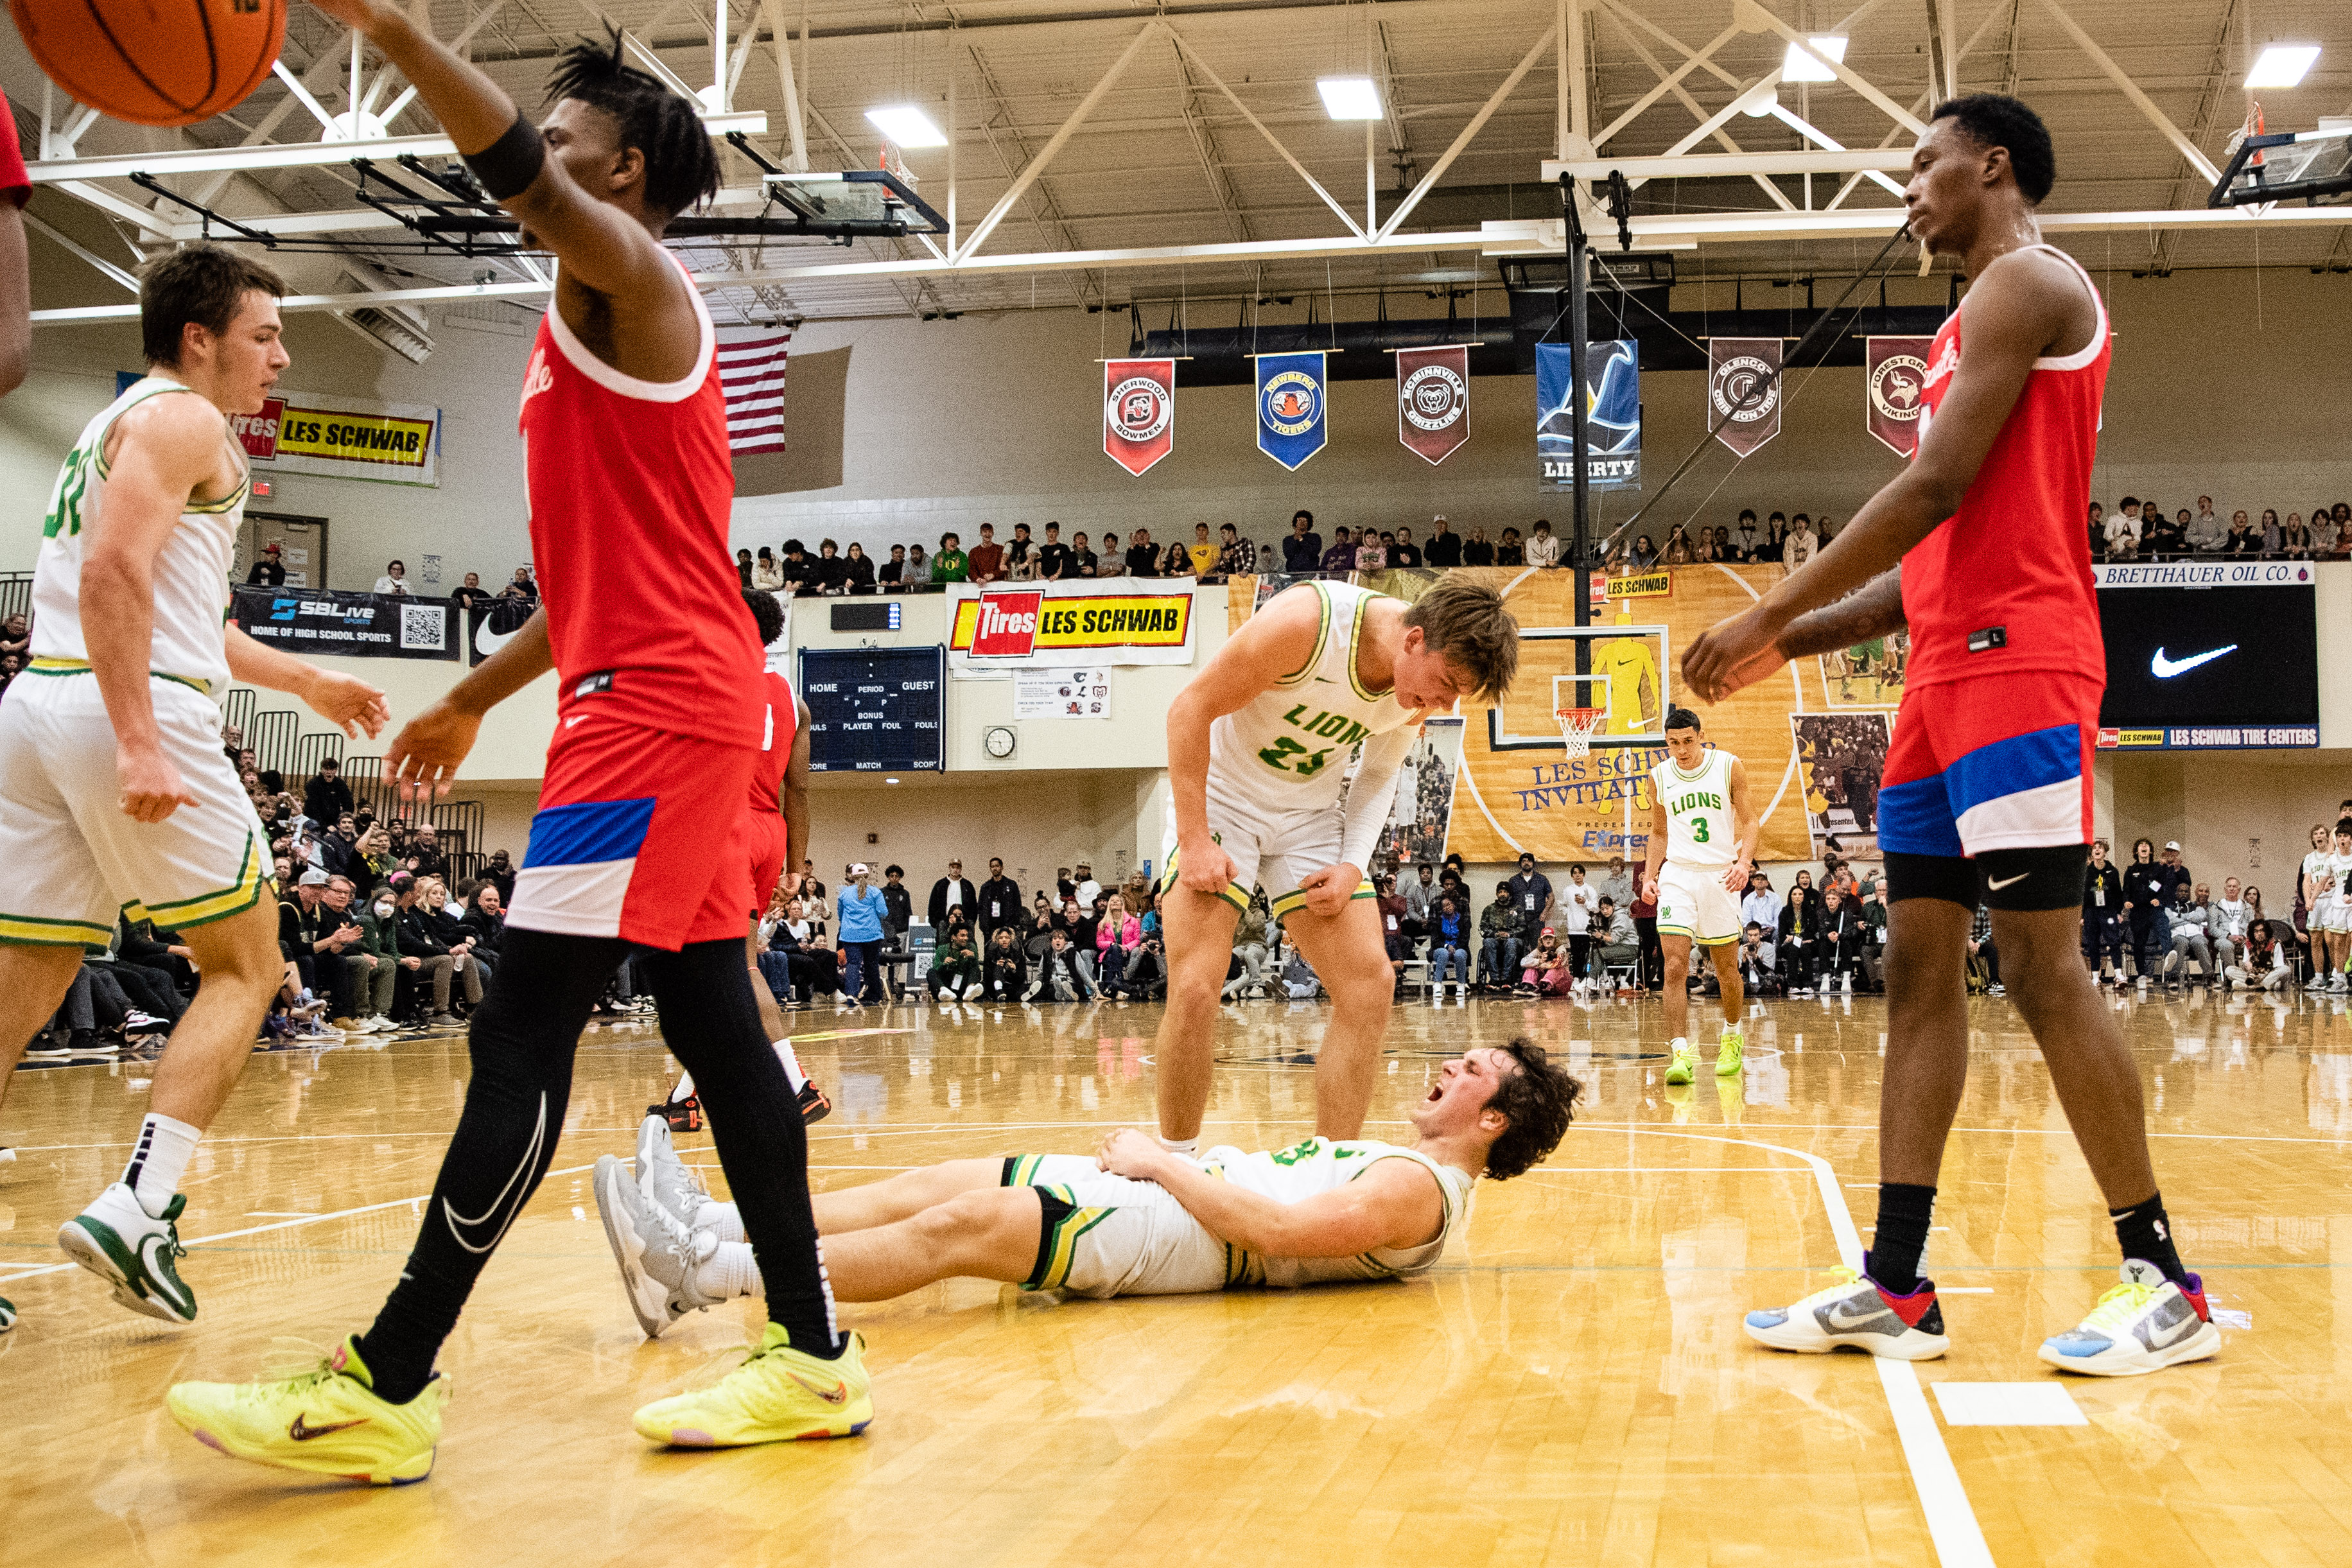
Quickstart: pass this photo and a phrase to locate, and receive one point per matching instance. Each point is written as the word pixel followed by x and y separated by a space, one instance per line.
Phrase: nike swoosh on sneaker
pixel 2006 881
pixel 1841 1321
pixel 302 1431
pixel 837 1395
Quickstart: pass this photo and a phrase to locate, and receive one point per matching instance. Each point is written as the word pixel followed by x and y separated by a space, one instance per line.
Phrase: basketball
pixel 169 62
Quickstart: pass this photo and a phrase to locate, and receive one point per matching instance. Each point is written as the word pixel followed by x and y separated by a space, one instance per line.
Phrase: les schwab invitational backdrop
pixel 1515 789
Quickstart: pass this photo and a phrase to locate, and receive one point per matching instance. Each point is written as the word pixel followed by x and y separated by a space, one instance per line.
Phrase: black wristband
pixel 506 167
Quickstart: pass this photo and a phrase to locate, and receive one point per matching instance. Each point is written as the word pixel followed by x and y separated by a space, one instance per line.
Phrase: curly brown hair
pixel 1538 1099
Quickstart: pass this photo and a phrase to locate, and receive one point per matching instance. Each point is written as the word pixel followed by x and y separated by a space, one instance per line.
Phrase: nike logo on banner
pixel 2006 881
pixel 302 1432
pixel 488 642
pixel 518 1187
pixel 2165 669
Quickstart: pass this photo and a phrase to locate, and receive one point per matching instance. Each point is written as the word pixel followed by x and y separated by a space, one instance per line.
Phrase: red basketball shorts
pixel 1997 762
pixel 764 835
pixel 640 834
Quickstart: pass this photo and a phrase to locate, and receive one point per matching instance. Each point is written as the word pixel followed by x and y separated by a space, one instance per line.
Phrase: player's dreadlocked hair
pixel 680 168
pixel 1539 1100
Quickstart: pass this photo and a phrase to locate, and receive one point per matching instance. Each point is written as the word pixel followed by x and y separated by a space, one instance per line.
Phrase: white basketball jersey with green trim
pixel 191 575
pixel 1700 828
pixel 1287 747
pixel 1321 1165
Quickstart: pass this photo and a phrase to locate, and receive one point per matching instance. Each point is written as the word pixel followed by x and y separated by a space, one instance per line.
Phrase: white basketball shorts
pixel 1270 849
pixel 1694 903
pixel 1106 1235
pixel 75 862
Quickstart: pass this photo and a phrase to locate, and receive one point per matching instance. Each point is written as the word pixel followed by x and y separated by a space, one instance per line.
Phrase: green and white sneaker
pixel 1730 1051
pixel 7 1314
pixel 1678 1071
pixel 132 1250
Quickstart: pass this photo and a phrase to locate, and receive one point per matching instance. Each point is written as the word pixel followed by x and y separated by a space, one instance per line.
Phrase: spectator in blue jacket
pixel 862 910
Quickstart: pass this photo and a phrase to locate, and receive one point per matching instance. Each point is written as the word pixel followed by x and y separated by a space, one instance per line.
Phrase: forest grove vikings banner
pixel 1290 411
pixel 1743 390
pixel 1139 411
pixel 1895 377
pixel 1434 400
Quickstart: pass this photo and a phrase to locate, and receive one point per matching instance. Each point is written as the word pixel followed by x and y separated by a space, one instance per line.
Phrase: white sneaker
pixel 118 1240
pixel 1847 984
pixel 1855 1311
pixel 1462 991
pixel 656 1254
pixel 2144 1324
pixel 662 1177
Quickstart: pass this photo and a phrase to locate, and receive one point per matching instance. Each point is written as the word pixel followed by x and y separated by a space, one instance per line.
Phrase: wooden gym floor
pixel 1571 1385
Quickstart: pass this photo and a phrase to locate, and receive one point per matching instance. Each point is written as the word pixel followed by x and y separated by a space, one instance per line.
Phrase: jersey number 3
pixel 1699 830
pixel 1278 756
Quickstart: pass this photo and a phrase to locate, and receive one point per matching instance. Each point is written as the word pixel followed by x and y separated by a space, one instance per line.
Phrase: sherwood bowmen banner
pixel 1290 426
pixel 1743 392
pixel 1108 621
pixel 355 625
pixel 1896 373
pixel 1139 411
pixel 1612 416
pixel 1434 400
pixel 343 438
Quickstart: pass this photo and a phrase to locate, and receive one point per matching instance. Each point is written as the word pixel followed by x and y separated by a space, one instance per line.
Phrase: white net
pixel 1577 728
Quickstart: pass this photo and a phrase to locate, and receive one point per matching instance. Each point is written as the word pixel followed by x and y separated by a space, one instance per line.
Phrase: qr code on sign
pixel 424 627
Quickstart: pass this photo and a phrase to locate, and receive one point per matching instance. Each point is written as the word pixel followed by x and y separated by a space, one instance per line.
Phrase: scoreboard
pixel 874 709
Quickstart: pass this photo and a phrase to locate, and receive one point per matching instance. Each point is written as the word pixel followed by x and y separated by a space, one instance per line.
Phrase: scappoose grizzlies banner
pixel 1895 377
pixel 1434 400
pixel 1139 411
pixel 1612 416
pixel 1290 423
pixel 356 625
pixel 1743 390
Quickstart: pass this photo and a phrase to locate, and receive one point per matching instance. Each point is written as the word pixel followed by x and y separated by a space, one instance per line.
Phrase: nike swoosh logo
pixel 577 717
pixel 2006 881
pixel 486 641
pixel 517 1187
pixel 2165 669
pixel 837 1395
pixel 302 1431
pixel 1841 1319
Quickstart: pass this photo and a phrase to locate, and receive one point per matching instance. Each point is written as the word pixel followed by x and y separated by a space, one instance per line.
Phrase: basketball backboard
pixel 856 202
pixel 2291 165
pixel 1620 668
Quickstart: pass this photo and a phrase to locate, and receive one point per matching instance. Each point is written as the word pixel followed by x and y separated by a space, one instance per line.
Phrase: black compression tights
pixel 523 1041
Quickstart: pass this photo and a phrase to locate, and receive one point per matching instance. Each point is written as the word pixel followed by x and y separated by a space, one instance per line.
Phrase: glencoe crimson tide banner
pixel 1743 390
pixel 1290 427
pixel 1434 400
pixel 1139 411
pixel 1895 377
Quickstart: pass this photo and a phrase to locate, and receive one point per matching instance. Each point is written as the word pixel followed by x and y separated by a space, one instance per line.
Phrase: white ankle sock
pixel 792 1065
pixel 721 1218
pixel 684 1087
pixel 1187 1147
pixel 158 1162
pixel 728 1272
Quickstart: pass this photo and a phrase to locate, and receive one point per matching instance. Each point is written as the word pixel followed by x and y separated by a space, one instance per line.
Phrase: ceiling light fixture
pixel 2283 65
pixel 1350 97
pixel 906 125
pixel 1798 66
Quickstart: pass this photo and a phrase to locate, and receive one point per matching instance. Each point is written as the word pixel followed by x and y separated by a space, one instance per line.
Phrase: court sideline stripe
pixel 1952 1526
pixel 286 1224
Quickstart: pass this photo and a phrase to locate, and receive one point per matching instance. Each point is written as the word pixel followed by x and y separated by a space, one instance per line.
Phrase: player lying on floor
pixel 1134 1220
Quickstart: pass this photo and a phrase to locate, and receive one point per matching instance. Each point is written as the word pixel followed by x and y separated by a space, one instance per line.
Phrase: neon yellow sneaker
pixel 1729 1052
pixel 778 1395
pixel 327 1420
pixel 1678 1071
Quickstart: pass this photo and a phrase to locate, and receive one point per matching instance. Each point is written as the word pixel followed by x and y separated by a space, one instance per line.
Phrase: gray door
pixel 301 542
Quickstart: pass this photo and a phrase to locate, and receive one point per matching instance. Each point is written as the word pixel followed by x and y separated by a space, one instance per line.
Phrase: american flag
pixel 751 371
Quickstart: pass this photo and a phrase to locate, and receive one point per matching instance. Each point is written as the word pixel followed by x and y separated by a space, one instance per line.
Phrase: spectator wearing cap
pixel 1340 558
pixel 951 892
pixel 863 912
pixel 1445 546
pixel 1088 889
pixel 269 570
pixel 1531 891
pixel 1500 940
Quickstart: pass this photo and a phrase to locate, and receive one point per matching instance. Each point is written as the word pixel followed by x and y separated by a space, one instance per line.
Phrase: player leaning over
pixel 1701 822
pixel 1258 745
pixel 1132 1220
pixel 1987 783
pixel 114 793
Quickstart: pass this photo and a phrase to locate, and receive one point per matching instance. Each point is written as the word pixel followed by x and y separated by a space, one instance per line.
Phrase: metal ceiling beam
pixel 1477 123
pixel 1722 137
pixel 1707 166
pixel 295 156
pixel 2130 90
pixel 1760 20
pixel 1059 140
pixel 1271 139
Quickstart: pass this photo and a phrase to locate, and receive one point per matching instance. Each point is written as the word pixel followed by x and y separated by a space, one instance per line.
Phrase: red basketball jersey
pixel 2005 583
pixel 783 724
pixel 630 485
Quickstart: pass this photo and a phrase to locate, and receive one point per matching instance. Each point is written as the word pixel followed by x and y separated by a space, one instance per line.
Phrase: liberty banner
pixel 1743 390
pixel 1894 378
pixel 1139 411
pixel 1434 400
pixel 1612 416
pixel 1290 426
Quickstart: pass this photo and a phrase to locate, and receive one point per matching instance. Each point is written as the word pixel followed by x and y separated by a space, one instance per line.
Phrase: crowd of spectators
pixel 2140 529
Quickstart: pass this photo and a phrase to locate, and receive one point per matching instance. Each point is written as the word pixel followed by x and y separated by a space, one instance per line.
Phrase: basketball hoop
pixel 1577 728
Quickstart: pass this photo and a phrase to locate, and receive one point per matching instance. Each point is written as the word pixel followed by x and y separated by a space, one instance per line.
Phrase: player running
pixel 115 796
pixel 1987 783
pixel 659 719
pixel 1702 823
pixel 1133 1220
pixel 1258 746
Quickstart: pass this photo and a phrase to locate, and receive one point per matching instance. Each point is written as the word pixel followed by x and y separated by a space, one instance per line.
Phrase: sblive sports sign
pixel 361 626
pixel 1116 625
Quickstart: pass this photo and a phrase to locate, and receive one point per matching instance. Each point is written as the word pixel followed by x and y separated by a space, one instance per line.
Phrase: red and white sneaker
pixel 1857 1311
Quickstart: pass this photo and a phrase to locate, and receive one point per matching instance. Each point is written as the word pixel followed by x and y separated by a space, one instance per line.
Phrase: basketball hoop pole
pixel 1580 530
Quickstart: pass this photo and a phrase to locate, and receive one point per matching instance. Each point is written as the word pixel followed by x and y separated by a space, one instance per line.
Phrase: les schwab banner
pixel 1120 621
pixel 343 438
